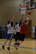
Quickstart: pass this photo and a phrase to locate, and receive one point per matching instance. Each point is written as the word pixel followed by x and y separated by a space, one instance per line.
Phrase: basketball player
pixel 9 34
pixel 17 30
pixel 21 35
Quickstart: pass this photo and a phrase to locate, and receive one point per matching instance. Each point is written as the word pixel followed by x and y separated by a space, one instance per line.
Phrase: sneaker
pixel 17 44
pixel 8 48
pixel 3 47
pixel 16 48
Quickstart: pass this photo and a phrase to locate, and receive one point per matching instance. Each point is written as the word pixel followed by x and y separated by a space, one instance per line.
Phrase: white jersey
pixel 17 28
pixel 13 30
pixel 9 28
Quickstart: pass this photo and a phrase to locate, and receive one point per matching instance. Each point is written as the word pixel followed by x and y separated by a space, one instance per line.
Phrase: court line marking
pixel 20 46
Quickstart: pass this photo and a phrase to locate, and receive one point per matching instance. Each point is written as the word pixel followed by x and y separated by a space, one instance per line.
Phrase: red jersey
pixel 23 29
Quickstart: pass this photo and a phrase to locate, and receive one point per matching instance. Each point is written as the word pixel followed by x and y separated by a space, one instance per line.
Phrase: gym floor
pixel 28 46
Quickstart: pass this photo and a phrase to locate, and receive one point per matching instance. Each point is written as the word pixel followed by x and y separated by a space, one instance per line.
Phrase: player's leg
pixel 20 40
pixel 10 39
pixel 15 44
pixel 9 45
pixel 17 41
pixel 3 46
pixel 15 37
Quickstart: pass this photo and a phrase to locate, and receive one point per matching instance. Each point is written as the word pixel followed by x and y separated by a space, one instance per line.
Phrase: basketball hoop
pixel 23 9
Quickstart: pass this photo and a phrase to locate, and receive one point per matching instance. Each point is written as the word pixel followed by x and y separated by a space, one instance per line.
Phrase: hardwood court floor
pixel 27 42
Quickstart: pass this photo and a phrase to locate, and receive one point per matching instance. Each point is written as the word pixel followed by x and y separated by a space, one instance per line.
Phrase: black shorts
pixel 22 37
pixel 19 36
pixel 16 37
pixel 8 36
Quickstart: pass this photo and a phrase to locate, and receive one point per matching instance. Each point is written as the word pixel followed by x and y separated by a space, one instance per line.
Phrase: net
pixel 23 9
